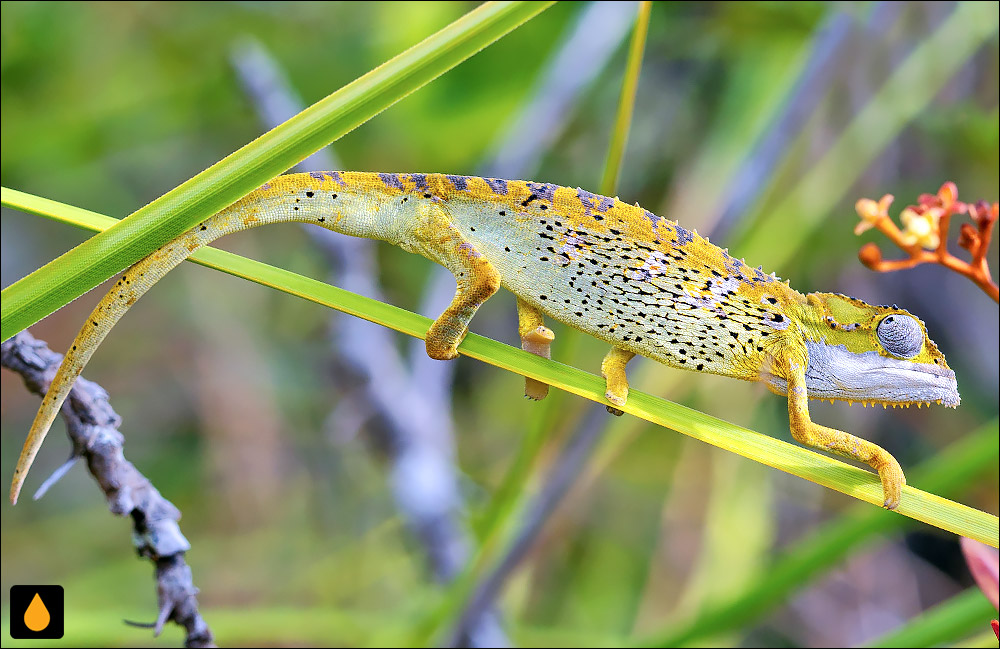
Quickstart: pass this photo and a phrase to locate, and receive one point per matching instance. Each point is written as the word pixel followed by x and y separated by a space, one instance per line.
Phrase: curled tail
pixel 327 200
pixel 133 283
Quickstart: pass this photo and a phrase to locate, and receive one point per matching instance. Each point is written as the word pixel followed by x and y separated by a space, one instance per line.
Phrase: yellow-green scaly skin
pixel 642 283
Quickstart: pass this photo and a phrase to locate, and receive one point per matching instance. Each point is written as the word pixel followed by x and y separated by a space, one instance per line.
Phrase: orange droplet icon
pixel 36 616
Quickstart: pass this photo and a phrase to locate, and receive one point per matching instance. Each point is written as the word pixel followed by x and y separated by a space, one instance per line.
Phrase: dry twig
pixel 92 426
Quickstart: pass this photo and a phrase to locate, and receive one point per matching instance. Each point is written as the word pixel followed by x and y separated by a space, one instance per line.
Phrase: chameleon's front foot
pixel 613 371
pixel 891 475
pixel 841 443
pixel 837 441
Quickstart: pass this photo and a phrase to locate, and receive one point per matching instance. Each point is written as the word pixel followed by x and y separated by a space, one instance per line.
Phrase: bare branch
pixel 92 426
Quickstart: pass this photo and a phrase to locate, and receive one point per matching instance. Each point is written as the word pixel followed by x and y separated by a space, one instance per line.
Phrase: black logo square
pixel 36 612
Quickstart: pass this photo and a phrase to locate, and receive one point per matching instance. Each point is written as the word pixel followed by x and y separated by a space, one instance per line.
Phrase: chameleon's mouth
pixel 834 372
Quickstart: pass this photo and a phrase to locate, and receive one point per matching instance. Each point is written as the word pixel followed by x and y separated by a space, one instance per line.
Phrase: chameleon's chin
pixel 836 373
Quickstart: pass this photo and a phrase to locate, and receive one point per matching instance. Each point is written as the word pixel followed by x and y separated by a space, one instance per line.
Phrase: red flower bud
pixel 870 255
pixel 968 237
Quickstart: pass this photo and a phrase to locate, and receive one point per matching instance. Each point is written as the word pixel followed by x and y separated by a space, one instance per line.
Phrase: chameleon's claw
pixel 617 398
pixel 540 337
pixel 891 475
pixel 442 347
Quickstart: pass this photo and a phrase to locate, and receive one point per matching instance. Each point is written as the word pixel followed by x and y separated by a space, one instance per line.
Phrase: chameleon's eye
pixel 901 335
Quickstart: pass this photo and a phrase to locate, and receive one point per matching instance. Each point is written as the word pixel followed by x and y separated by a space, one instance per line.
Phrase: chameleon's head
pixel 860 352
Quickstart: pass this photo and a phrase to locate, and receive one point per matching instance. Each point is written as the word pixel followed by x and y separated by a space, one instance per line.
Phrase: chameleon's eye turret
pixel 901 335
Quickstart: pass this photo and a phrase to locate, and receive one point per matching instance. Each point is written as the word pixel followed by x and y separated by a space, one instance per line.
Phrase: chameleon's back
pixel 625 275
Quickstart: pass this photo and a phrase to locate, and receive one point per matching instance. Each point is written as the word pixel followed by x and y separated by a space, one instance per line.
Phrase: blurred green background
pixel 226 388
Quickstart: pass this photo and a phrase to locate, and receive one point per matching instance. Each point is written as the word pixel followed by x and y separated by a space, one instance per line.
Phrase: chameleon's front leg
pixel 613 371
pixel 837 441
pixel 535 338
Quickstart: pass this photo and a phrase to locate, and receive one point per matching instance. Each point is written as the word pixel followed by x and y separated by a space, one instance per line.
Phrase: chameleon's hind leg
pixel 837 441
pixel 613 370
pixel 475 278
pixel 535 338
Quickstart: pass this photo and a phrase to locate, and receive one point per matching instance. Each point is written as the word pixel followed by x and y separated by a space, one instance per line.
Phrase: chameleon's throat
pixel 833 372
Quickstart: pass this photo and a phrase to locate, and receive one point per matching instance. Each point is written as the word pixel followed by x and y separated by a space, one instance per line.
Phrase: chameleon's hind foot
pixel 537 339
pixel 476 280
pixel 443 339
pixel 613 370
pixel 537 342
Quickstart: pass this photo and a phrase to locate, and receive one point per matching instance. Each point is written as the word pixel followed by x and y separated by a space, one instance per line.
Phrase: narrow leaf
pixel 71 275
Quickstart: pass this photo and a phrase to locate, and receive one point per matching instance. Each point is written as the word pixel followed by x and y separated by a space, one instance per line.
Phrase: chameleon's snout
pixel 834 372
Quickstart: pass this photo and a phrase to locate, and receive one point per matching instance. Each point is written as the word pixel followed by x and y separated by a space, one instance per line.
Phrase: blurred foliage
pixel 295 535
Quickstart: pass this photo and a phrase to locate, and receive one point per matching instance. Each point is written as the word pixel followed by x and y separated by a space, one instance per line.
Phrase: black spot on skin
pixel 309 194
pixel 203 228
pixel 427 195
pixel 296 208
pixel 543 297
pixel 322 218
pixel 506 248
pixel 502 213
pixel 335 196
pixel 777 317
pixel 525 202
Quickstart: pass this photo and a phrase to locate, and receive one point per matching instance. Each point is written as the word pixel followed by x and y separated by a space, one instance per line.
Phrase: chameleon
pixel 640 282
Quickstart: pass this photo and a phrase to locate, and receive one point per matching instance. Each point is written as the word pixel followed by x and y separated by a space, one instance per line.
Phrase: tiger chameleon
pixel 640 282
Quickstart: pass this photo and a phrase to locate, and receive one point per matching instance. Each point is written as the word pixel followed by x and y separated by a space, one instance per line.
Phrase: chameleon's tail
pixel 324 199
pixel 356 204
pixel 133 283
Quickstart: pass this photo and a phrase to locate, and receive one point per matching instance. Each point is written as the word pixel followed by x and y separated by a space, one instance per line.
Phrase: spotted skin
pixel 640 282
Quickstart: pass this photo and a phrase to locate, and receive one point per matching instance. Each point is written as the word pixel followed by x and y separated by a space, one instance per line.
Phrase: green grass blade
pixel 626 102
pixel 74 273
pixel 953 619
pixel 947 473
pixel 863 485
